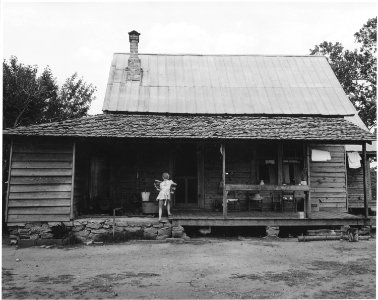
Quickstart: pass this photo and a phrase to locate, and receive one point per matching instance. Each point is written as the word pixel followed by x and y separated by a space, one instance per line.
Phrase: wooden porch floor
pixel 264 218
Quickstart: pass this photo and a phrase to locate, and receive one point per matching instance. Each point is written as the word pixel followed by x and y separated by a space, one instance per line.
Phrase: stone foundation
pixel 98 230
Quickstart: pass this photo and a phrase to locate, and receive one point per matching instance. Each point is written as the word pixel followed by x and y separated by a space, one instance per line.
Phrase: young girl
pixel 165 194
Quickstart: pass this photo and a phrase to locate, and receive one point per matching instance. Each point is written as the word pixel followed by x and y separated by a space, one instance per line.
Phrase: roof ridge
pixel 198 54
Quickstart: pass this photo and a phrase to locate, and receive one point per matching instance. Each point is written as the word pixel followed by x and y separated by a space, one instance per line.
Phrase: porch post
pixel 9 178
pixel 365 177
pixel 307 203
pixel 224 181
pixel 279 163
pixel 72 213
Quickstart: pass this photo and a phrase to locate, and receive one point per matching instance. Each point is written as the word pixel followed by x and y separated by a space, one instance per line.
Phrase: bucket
pixel 301 215
pixel 145 196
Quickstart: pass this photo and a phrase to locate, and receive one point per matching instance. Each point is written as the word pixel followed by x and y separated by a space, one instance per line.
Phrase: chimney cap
pixel 134 36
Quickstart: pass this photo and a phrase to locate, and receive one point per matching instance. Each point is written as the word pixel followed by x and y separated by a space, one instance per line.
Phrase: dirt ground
pixel 202 268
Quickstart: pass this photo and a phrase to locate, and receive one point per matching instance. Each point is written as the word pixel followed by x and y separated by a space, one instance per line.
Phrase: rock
pixel 99 231
pixel 13 231
pixel 150 233
pixel 14 237
pixel 78 228
pixel 133 229
pixel 18 260
pixel 13 242
pixel 82 235
pixel 106 226
pixel 165 231
pixel 118 229
pixel 46 235
pixel 272 231
pixel 185 237
pixel 34 236
pixel 45 226
pixel 177 231
pixel 89 243
pixel 77 223
pixel 23 231
pixel 42 246
pixel 24 237
pixel 178 228
pixel 35 229
pixel 177 234
pixel 50 246
pixel 121 224
pixel 94 225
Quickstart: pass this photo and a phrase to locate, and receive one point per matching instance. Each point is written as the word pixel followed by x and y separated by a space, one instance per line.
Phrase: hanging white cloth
pixel 320 155
pixel 354 160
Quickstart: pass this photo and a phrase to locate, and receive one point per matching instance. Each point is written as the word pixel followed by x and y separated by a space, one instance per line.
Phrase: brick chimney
pixel 134 70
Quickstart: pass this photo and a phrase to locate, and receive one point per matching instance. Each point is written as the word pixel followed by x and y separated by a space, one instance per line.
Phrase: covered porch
pixel 91 166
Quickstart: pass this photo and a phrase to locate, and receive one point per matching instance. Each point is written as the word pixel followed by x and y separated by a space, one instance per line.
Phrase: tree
pixel 356 70
pixel 32 99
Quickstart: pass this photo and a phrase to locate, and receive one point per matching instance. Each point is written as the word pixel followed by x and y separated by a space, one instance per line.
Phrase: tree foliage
pixel 29 98
pixel 356 70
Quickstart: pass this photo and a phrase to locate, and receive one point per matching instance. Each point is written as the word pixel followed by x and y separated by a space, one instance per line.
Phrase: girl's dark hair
pixel 165 175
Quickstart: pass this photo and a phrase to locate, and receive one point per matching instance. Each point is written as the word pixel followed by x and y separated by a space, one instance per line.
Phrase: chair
pixel 289 197
pixel 276 202
pixel 257 201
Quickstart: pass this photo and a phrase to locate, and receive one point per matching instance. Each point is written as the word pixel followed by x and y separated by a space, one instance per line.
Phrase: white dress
pixel 165 190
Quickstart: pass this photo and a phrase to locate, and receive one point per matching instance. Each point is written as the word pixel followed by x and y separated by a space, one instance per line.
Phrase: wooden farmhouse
pixel 251 140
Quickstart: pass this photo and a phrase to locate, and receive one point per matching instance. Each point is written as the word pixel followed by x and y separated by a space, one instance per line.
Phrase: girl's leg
pixel 160 209
pixel 169 207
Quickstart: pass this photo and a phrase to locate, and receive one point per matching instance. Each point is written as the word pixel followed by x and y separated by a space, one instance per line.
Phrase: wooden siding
pixel 356 188
pixel 40 181
pixel 328 179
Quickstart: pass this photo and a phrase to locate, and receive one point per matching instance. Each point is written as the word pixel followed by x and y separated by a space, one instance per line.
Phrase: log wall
pixel 40 181
pixel 328 179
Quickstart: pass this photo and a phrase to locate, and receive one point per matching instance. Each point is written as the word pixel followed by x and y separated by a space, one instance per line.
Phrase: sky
pixel 81 37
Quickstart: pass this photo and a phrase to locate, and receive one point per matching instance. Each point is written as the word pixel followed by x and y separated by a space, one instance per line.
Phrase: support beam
pixel 72 213
pixel 280 163
pixel 200 175
pixel 307 204
pixel 9 178
pixel 365 178
pixel 223 148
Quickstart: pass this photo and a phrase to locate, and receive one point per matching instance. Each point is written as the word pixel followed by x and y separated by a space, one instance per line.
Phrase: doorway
pixel 185 175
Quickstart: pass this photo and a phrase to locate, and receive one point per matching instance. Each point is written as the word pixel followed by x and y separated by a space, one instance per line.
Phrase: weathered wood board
pixel 328 179
pixel 40 181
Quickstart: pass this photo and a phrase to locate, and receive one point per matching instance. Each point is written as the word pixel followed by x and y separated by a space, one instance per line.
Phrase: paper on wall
pixel 320 155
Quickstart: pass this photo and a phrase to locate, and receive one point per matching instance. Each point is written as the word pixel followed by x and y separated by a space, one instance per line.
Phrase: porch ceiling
pixel 201 127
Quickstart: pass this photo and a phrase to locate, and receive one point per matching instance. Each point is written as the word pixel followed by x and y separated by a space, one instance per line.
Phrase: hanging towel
pixel 320 155
pixel 354 160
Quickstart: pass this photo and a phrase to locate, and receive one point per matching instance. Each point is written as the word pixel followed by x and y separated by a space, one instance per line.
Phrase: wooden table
pixel 273 188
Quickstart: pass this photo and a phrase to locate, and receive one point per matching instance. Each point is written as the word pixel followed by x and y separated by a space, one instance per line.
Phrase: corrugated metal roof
pixel 227 84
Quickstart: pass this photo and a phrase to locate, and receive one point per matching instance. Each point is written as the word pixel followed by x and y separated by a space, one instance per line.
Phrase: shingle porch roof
pixel 200 127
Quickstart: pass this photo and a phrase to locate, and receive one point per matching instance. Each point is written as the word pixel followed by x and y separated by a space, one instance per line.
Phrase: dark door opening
pixel 185 176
